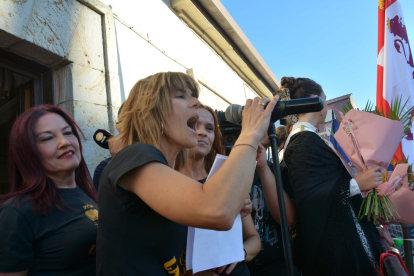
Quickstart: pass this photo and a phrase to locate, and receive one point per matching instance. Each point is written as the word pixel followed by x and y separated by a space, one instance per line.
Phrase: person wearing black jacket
pixel 330 240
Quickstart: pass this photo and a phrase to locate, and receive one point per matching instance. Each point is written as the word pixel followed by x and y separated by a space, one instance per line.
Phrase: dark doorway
pixel 23 84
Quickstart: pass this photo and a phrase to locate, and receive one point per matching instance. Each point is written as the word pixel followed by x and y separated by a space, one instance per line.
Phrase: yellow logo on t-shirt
pixel 174 268
pixel 92 214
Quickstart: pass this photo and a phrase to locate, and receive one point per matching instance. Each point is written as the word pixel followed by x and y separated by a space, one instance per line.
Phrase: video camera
pixel 229 131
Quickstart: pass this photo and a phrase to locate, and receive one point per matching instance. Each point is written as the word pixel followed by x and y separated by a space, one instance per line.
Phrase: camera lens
pixel 229 139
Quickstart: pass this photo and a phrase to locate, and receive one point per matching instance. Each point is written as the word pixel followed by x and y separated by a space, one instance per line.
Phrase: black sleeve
pixel 16 241
pixel 132 157
pixel 98 171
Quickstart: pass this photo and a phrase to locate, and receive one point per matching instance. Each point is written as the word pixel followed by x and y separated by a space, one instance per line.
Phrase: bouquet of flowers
pixel 371 139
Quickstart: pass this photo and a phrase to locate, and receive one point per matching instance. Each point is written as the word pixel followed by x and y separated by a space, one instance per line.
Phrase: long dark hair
pixel 217 147
pixel 26 173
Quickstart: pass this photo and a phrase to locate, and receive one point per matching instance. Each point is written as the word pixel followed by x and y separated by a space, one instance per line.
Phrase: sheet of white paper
pixel 190 245
pixel 217 248
pixel 218 162
pixel 208 249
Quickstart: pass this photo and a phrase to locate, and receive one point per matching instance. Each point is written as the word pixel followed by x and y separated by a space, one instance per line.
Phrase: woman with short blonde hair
pixel 145 205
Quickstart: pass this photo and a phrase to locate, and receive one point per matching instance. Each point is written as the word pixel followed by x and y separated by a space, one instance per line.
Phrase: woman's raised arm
pixel 215 204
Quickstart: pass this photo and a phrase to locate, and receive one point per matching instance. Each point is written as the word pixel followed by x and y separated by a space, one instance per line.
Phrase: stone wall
pixel 77 40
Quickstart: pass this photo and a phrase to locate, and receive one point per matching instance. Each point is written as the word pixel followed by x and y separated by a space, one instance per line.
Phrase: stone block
pixel 93 155
pixel 115 110
pixel 53 24
pixel 81 83
pixel 68 107
pixel 63 84
pixel 110 43
pixel 86 46
pixel 14 17
pixel 90 117
pixel 115 89
pixel 89 85
pixel 95 5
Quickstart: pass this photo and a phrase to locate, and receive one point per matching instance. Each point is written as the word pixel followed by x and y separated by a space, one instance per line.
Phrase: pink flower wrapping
pixel 402 197
pixel 377 139
pixel 370 140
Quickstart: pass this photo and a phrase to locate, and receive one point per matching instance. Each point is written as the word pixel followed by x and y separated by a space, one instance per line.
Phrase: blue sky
pixel 331 42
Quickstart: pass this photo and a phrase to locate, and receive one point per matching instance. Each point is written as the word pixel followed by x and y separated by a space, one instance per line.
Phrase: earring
pixel 162 128
pixel 320 112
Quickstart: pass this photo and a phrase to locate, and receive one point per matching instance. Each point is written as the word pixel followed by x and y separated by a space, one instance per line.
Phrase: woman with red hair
pixel 49 220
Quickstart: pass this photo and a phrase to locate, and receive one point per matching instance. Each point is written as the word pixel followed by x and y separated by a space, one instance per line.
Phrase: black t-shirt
pixel 133 239
pixel 241 268
pixel 98 171
pixel 61 243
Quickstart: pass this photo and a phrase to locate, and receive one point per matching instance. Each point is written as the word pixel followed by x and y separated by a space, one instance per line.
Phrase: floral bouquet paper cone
pixel 369 140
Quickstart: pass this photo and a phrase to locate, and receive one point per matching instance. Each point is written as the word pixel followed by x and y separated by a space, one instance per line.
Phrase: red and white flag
pixel 395 66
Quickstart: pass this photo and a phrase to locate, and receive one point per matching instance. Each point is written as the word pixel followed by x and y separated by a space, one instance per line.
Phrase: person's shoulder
pixel 131 157
pixel 103 164
pixel 139 148
pixel 22 206
pixel 304 142
pixel 304 139
pixel 140 152
pixel 305 135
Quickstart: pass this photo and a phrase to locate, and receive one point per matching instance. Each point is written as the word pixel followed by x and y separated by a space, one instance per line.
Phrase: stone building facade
pixel 85 55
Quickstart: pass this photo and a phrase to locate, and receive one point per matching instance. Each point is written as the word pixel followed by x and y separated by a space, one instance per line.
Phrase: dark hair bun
pixel 288 81
pixel 291 83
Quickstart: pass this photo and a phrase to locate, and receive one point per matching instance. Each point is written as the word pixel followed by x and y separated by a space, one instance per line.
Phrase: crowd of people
pixel 155 185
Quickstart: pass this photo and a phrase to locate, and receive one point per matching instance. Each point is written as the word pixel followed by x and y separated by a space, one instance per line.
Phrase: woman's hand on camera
pixel 256 118
pixel 370 179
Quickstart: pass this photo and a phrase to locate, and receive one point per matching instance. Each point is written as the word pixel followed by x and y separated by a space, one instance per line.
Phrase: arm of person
pixel 181 199
pixel 20 273
pixel 215 204
pixel 251 238
pixel 267 179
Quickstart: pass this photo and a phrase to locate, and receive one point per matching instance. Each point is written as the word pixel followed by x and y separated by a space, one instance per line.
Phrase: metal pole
pixel 408 247
pixel 281 200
